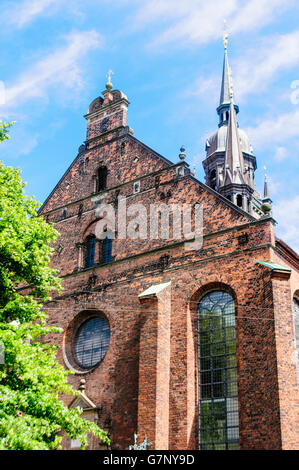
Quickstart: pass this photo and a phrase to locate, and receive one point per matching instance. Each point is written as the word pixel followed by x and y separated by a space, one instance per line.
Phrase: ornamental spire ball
pixel 182 155
pixel 109 84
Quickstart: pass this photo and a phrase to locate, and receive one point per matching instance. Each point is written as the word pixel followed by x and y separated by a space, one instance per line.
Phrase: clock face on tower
pixel 103 127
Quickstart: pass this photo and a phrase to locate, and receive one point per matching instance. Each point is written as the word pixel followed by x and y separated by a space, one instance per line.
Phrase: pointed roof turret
pixel 266 190
pixel 234 161
pixel 230 164
pixel 224 95
pixel 266 201
pixel 224 102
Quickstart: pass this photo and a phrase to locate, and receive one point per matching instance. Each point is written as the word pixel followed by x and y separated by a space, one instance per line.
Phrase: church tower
pixel 230 164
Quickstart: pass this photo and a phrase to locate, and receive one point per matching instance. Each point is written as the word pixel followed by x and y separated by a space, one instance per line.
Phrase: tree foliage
pixel 32 414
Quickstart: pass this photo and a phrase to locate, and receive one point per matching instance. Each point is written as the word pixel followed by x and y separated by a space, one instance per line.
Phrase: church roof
pixel 217 141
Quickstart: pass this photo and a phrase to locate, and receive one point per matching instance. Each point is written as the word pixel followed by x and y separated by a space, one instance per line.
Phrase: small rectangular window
pixel 102 179
pixel 136 187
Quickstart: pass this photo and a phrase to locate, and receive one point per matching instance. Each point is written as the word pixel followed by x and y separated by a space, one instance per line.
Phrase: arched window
pixel 102 178
pixel 90 251
pixel 218 390
pixel 296 325
pixel 106 250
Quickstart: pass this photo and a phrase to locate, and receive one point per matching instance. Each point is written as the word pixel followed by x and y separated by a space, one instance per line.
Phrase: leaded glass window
pixel 106 250
pixel 218 391
pixel 90 251
pixel 92 341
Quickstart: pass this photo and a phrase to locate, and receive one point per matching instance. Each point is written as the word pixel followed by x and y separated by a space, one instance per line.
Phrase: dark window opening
pixel 229 197
pixel 239 200
pixel 213 180
pixel 227 115
pixel 102 179
pixel 90 251
pixel 103 127
pixel 122 148
pixel 80 211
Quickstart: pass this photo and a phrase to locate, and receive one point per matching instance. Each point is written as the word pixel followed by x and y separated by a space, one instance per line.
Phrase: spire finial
pixel 109 84
pixel 182 155
pixel 267 202
pixel 266 191
pixel 226 93
pixel 225 35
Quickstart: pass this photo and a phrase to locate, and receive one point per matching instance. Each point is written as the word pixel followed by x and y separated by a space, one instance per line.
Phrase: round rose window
pixel 92 341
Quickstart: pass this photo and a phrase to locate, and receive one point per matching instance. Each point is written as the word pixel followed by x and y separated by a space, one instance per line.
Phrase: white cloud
pixel 59 67
pixel 199 21
pixel 254 14
pixel 280 154
pixel 22 142
pixel 286 212
pixel 21 13
pixel 274 185
pixel 275 130
pixel 257 68
pixel 208 88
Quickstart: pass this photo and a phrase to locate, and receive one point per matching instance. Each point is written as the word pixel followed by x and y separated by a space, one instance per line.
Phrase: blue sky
pixel 167 57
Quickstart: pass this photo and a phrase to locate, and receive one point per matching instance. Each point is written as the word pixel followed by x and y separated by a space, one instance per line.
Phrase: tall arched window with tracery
pixel 296 326
pixel 218 389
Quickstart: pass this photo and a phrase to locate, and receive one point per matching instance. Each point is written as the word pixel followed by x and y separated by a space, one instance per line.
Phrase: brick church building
pixel 192 346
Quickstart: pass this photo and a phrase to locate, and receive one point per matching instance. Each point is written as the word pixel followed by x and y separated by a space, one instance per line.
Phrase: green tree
pixel 32 414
